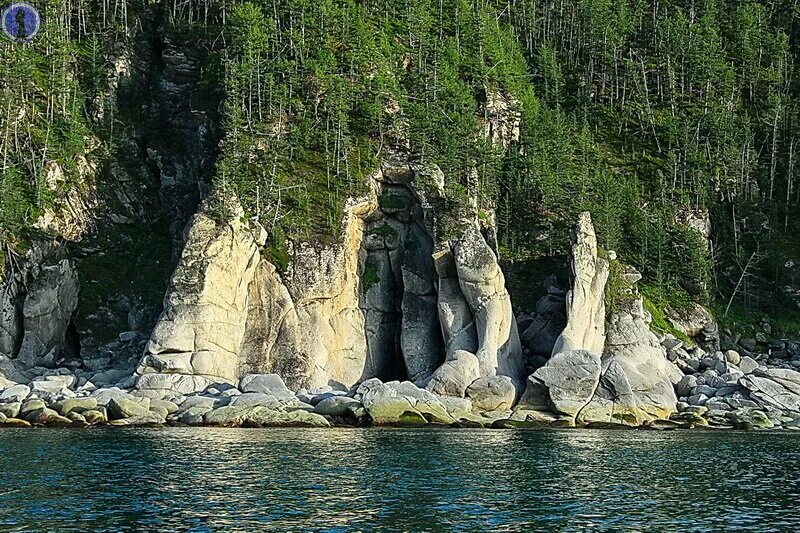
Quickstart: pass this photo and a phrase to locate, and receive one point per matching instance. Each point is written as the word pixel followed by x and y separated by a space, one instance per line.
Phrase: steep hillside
pixel 337 192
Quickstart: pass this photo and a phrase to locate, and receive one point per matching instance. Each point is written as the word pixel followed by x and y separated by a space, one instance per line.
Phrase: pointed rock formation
pixel 623 378
pixel 483 285
pixel 586 309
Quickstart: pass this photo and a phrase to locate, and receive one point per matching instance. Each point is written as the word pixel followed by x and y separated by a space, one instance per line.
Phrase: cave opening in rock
pixel 399 289
pixel 72 342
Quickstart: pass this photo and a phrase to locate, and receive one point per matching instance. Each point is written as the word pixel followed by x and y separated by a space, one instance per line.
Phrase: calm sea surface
pixel 204 479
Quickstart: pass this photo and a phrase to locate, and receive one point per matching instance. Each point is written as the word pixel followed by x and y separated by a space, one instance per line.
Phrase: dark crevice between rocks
pixel 72 343
pixel 398 289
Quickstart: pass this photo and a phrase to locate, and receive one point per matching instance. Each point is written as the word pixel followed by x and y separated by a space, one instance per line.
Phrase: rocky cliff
pixel 389 326
pixel 379 303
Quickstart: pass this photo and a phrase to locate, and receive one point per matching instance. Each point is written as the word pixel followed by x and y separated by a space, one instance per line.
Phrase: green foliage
pixel 316 90
pixel 657 299
pixel 617 287
pixel 18 206
pixel 45 122
pixel 369 277
pixel 746 321
pixel 391 201
pixel 383 230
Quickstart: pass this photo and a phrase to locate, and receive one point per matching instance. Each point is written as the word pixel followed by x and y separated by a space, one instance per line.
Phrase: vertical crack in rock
pixel 398 283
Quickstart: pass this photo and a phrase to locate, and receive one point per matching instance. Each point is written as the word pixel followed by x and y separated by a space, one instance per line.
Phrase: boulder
pixel 46 416
pixel 455 375
pixel 401 403
pixel 697 399
pixel 11 371
pixel 17 393
pixel 193 416
pixel 110 377
pixel 748 365
pixel 569 380
pixel 104 396
pixel 704 389
pixel 164 406
pixel 299 418
pixel 750 419
pixel 121 408
pixel 492 394
pixel 227 416
pixel 232 416
pixel 255 398
pixel 69 405
pixel 180 383
pixel 149 420
pixel 336 406
pixel 733 357
pixel 10 409
pixel 31 404
pixel 691 321
pixel 396 410
pixel 191 401
pixel 53 384
pixel 684 387
pixel 95 416
pixel 16 423
pixel 270 384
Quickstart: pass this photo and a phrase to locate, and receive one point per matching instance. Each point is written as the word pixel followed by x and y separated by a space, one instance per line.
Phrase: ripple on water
pixel 206 479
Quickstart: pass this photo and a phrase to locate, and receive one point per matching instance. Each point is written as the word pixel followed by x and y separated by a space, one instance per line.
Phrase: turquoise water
pixel 205 479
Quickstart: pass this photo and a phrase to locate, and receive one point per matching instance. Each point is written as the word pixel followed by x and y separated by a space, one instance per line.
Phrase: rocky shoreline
pixel 573 364
pixel 746 396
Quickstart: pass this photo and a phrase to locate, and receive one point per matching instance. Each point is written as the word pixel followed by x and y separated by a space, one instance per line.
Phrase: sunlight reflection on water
pixel 208 479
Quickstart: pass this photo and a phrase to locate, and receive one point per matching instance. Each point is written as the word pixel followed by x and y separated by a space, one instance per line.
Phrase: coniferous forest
pixel 675 122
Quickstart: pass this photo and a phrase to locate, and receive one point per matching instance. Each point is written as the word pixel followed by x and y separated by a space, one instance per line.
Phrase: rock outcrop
pixel 377 304
pixel 202 326
pixel 621 376
pixel 636 382
pixel 37 306
pixel 483 286
pixel 586 310
pixel 774 387
pixel 228 312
